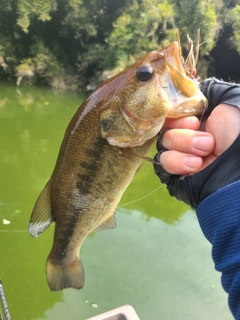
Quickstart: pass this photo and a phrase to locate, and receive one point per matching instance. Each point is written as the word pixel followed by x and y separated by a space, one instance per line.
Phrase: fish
pixel 104 145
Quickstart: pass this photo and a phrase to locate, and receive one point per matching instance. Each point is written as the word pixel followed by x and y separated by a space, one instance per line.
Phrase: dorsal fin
pixel 41 216
pixel 110 223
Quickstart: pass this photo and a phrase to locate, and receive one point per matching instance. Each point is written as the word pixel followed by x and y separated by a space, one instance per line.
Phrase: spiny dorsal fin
pixel 110 223
pixel 41 216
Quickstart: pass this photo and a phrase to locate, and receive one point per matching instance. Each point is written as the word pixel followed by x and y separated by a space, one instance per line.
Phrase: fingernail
pixel 193 162
pixel 202 143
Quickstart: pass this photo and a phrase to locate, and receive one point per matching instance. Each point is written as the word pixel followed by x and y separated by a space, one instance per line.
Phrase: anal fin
pixel 41 216
pixel 110 223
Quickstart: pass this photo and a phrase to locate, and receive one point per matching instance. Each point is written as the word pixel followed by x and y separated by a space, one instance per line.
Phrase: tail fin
pixel 61 276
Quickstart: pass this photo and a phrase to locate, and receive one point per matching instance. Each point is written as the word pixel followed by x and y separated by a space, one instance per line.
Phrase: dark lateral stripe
pixel 90 167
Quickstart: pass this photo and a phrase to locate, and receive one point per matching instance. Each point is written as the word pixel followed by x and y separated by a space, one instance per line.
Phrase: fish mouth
pixel 195 105
pixel 182 86
pixel 182 103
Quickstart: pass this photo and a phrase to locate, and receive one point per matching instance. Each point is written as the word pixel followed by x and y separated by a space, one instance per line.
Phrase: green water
pixel 156 260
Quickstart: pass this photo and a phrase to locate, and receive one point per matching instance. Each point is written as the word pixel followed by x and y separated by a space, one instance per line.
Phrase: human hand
pixel 194 169
pixel 198 160
pixel 191 150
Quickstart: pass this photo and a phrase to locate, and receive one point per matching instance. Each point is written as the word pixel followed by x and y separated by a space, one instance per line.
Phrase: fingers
pixel 182 123
pixel 189 150
pixel 180 163
pixel 224 124
pixel 188 141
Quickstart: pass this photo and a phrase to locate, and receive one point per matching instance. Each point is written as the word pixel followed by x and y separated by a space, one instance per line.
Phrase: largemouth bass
pixel 103 147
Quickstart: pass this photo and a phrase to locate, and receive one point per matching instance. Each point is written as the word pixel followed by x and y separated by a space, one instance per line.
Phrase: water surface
pixel 156 259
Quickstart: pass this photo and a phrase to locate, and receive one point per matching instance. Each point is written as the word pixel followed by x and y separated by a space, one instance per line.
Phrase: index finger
pixel 191 123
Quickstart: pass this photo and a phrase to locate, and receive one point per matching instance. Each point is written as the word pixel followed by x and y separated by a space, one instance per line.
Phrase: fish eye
pixel 144 73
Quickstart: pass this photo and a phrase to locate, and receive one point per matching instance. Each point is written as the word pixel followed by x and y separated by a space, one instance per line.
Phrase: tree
pixel 55 42
pixel 69 43
pixel 193 15
pixel 232 19
pixel 143 26
pixel 147 25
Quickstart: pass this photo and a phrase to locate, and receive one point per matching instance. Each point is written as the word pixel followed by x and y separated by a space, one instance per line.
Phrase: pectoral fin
pixel 41 216
pixel 110 223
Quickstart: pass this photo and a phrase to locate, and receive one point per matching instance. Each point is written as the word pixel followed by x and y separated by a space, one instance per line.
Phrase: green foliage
pixel 142 27
pixel 5 5
pixel 234 21
pixel 146 25
pixel 58 38
pixel 79 20
pixel 195 14
pixel 27 9
pixel 76 40
pixel 44 61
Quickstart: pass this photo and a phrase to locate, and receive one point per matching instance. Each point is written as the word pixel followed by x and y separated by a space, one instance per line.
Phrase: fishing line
pixel 139 199
pixel 13 230
pixel 201 118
